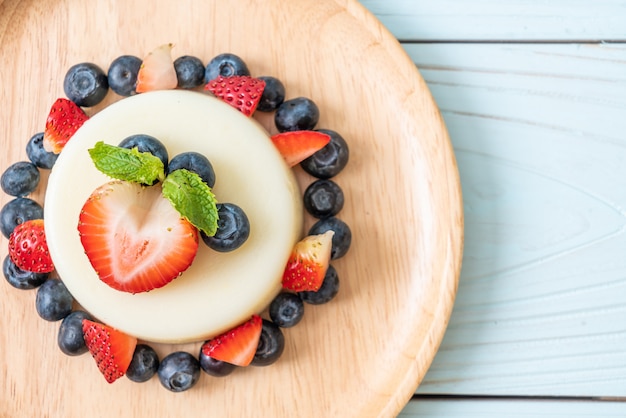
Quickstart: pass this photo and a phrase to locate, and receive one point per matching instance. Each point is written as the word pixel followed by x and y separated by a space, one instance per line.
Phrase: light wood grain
pixel 361 355
pixel 494 20
pixel 538 131
pixel 512 408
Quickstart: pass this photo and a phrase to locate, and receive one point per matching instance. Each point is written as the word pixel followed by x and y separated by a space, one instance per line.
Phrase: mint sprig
pixel 193 199
pixel 127 164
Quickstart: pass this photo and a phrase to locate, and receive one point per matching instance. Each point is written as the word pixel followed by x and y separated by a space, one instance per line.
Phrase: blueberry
pixel 330 160
pixel 179 371
pixel 328 290
pixel 225 65
pixel 144 364
pixel 213 367
pixel 147 143
pixel 271 345
pixel 273 94
pixel 37 153
pixel 189 71
pixel 53 301
pixel 342 238
pixel 22 279
pixel 70 337
pixel 194 162
pixel 18 211
pixel 286 310
pixel 299 114
pixel 323 198
pixel 20 178
pixel 85 84
pixel 233 229
pixel 122 74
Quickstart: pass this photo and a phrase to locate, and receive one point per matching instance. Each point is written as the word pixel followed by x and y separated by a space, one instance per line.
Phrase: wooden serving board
pixel 361 355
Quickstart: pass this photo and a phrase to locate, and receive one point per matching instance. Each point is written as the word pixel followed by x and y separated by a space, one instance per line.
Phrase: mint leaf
pixel 193 199
pixel 127 164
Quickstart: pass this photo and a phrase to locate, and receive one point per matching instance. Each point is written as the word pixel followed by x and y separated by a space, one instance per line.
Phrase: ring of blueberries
pixel 86 84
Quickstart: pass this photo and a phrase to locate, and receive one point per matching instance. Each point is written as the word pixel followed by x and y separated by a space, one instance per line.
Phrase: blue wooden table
pixel 534 96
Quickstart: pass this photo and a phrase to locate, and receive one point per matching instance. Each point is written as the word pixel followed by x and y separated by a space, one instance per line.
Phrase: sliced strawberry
pixel 240 91
pixel 28 248
pixel 308 263
pixel 63 121
pixel 295 146
pixel 238 345
pixel 157 71
pixel 134 238
pixel 112 349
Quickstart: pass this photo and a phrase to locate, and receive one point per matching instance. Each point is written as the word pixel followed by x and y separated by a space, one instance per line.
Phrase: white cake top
pixel 219 290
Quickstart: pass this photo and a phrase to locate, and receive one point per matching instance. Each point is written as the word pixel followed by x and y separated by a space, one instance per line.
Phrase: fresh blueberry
pixel 147 143
pixel 179 371
pixel 70 337
pixel 225 65
pixel 20 178
pixel 213 367
pixel 18 211
pixel 233 229
pixel 144 364
pixel 22 279
pixel 342 238
pixel 53 301
pixel 330 160
pixel 196 163
pixel 323 198
pixel 37 153
pixel 271 345
pixel 299 114
pixel 122 74
pixel 189 71
pixel 328 290
pixel 286 310
pixel 273 94
pixel 85 84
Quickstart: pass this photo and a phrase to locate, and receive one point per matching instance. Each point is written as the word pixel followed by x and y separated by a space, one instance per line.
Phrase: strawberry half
pixel 295 146
pixel 64 119
pixel 28 247
pixel 134 238
pixel 238 345
pixel 112 349
pixel 308 263
pixel 240 91
pixel 157 71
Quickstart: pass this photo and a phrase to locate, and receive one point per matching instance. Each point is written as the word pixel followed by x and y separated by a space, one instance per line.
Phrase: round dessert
pixel 219 290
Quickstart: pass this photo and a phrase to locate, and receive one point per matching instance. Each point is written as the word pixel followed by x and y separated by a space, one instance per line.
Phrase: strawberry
pixel 63 121
pixel 28 248
pixel 240 91
pixel 157 71
pixel 238 345
pixel 112 349
pixel 308 263
pixel 295 146
pixel 134 238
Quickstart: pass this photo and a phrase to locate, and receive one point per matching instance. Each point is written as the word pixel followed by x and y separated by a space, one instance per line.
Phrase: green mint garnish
pixel 193 199
pixel 127 164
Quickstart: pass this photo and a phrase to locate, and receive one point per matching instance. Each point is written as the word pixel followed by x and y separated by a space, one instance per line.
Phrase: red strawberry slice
pixel 157 71
pixel 134 238
pixel 63 121
pixel 28 247
pixel 308 263
pixel 240 91
pixel 112 349
pixel 238 345
pixel 295 146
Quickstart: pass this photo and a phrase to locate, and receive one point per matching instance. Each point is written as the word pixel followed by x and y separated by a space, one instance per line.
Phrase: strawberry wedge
pixel 238 345
pixel 295 146
pixel 64 119
pixel 134 238
pixel 111 349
